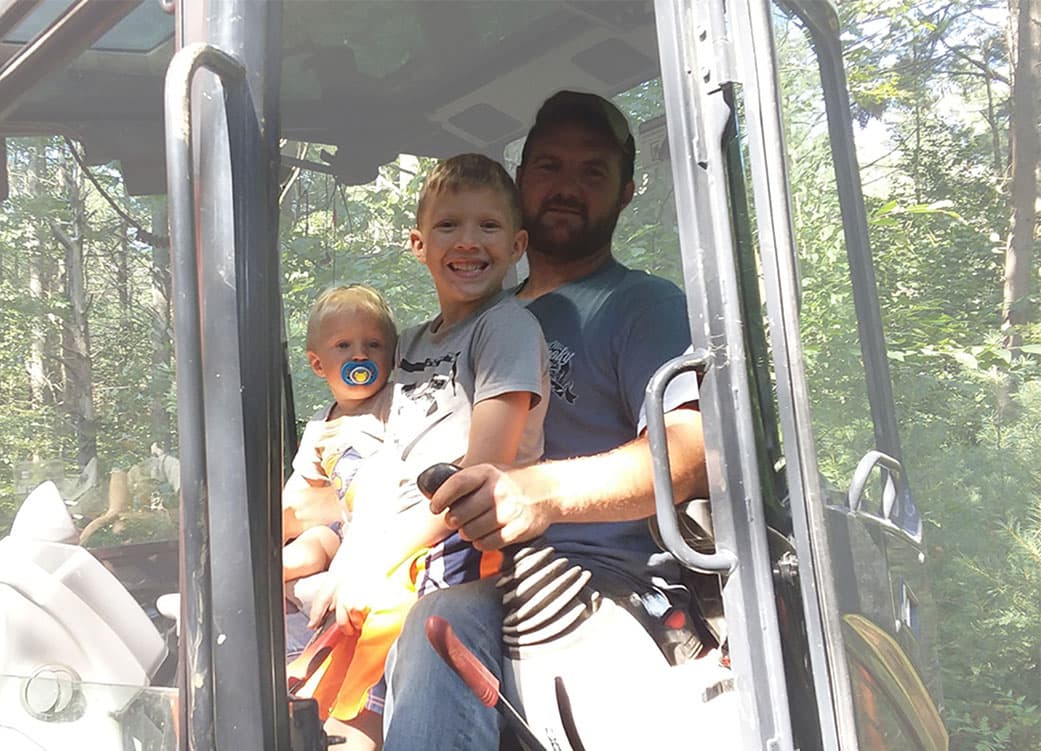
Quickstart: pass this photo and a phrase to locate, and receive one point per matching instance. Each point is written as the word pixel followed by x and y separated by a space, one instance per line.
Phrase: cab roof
pixel 369 79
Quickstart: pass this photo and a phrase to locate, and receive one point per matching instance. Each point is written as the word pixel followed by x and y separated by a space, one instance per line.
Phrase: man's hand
pixel 493 508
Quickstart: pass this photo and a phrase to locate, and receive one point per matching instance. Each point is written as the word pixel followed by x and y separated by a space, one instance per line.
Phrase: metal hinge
pixel 715 49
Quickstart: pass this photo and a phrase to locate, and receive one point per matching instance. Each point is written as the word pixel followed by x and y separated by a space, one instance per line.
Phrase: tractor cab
pixel 254 152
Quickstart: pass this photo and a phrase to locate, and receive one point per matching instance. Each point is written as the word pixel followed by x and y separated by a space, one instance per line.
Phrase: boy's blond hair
pixel 469 172
pixel 350 298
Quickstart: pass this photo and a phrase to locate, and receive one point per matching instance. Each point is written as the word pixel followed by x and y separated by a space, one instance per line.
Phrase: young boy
pixel 351 338
pixel 471 386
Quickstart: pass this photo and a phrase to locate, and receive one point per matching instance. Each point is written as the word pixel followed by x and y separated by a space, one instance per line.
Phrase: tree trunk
pixel 1025 19
pixel 79 387
pixel 159 307
pixel 5 186
pixel 123 275
pixel 41 279
pixel 992 118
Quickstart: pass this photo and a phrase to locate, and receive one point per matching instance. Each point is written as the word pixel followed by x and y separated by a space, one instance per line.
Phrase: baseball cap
pixel 591 111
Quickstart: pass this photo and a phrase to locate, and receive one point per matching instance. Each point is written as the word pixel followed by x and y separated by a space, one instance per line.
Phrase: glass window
pixel 143 29
pixel 87 374
pixel 834 366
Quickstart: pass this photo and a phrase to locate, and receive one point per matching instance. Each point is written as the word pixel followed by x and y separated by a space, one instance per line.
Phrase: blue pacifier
pixel 359 372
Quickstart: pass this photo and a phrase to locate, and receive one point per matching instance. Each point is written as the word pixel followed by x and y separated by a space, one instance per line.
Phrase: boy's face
pixel 468 239
pixel 351 335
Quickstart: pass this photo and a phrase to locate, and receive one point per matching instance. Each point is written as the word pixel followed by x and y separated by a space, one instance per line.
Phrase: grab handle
pixel 898 513
pixel 722 561
pixel 196 601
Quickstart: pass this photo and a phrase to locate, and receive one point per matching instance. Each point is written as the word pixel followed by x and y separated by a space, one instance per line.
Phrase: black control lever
pixel 434 476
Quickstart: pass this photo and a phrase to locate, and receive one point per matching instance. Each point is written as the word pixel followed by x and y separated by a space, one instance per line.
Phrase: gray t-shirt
pixel 442 371
pixel 607 334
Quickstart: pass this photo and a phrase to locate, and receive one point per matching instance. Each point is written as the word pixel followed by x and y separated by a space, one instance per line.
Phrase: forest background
pixel 946 101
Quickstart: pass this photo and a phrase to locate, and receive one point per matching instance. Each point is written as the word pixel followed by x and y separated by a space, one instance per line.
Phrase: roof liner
pixel 371 79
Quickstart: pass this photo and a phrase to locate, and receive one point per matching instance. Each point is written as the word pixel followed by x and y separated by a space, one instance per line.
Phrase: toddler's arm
pixel 309 553
pixel 307 503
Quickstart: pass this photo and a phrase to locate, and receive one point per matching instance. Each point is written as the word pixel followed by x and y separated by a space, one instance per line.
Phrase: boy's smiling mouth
pixel 468 267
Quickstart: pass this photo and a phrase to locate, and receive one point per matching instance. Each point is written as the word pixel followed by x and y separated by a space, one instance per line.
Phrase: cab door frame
pixel 222 131
pixel 706 48
pixel 697 65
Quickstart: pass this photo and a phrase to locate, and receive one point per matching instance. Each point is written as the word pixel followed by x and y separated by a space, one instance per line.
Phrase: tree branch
pixel 143 235
pixel 987 70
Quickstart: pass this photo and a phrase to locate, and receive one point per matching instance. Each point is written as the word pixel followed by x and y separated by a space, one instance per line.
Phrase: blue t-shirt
pixel 607 335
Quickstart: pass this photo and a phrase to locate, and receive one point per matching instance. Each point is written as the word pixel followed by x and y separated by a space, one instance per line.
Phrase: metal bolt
pixel 49 691
pixel 787 568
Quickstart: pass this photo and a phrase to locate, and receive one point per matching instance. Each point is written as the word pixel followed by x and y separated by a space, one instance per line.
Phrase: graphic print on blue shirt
pixel 561 378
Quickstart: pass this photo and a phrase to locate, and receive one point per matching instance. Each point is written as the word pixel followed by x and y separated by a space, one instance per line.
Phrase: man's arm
pixel 494 508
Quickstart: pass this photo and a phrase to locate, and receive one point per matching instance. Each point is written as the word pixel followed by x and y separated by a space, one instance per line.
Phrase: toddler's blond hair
pixel 350 298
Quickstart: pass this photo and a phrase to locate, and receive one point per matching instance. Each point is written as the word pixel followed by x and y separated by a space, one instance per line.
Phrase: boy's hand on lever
pixel 494 508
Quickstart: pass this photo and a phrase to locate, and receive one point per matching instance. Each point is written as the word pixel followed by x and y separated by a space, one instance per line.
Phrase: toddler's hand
pixel 353 603
pixel 323 602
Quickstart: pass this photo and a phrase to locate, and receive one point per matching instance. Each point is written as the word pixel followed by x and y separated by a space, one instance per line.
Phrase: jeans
pixel 297 633
pixel 428 705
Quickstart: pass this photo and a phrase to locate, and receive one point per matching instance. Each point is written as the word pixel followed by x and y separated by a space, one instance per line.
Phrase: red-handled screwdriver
pixel 475 675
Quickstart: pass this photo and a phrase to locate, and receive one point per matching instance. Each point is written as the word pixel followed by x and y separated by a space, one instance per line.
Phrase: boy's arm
pixel 510 369
pixel 496 428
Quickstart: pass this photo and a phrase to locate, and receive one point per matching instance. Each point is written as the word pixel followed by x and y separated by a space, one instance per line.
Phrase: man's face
pixel 572 192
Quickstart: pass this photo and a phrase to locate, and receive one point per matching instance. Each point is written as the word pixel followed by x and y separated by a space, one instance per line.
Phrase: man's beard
pixel 571 243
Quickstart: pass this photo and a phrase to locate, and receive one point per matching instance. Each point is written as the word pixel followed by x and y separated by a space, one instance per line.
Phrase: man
pixel 608 329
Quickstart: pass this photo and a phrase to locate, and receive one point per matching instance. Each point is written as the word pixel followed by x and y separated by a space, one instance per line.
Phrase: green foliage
pixel 646 236
pixel 968 410
pixel 976 463
pixel 35 310
pixel 342 235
